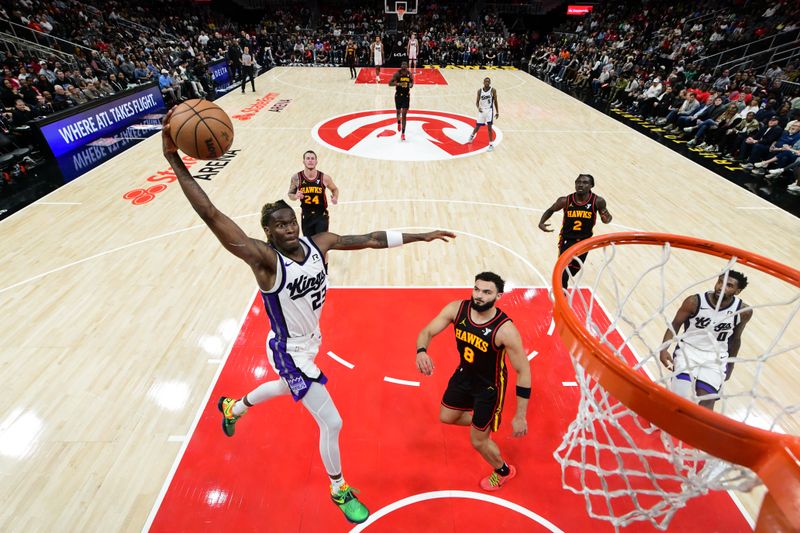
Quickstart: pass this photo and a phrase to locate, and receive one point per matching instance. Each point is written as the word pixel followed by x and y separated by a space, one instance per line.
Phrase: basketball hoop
pixel 401 11
pixel 679 442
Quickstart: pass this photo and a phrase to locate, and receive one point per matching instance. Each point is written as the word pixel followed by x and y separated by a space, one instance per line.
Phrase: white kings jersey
pixel 294 304
pixel 703 347
pixel 486 101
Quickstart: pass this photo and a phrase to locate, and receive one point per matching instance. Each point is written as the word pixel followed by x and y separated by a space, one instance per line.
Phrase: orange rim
pixel 774 457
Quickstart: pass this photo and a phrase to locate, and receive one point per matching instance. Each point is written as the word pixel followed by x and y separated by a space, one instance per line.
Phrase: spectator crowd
pixel 662 63
pixel 651 60
pixel 111 46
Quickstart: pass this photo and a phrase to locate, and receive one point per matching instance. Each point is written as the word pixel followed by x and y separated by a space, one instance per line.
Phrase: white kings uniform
pixel 412 49
pixel 294 305
pixel 378 54
pixel 702 351
pixel 485 106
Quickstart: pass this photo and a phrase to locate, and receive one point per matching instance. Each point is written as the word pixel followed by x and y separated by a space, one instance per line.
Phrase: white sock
pixel 337 484
pixel 239 408
pixel 265 391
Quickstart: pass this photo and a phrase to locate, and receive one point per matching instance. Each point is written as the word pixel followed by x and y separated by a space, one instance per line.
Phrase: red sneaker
pixel 495 481
pixel 402 136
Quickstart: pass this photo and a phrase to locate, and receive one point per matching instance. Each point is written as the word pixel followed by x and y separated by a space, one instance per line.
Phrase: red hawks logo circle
pixel 430 135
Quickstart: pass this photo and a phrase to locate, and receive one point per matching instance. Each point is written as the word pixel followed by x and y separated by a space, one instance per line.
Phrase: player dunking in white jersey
pixel 487 105
pixel 713 322
pixel 290 272
pixel 412 51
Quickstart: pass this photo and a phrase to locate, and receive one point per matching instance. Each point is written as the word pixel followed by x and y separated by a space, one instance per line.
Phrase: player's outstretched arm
pixel 558 206
pixel 687 309
pixel 376 239
pixel 445 317
pixel 509 338
pixel 602 208
pixel 233 238
pixel 496 104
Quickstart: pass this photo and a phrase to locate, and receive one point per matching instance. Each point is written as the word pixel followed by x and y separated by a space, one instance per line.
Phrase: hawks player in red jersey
pixel 474 396
pixel 580 215
pixel 309 186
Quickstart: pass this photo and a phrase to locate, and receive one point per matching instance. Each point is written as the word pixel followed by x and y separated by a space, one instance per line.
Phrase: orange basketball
pixel 201 129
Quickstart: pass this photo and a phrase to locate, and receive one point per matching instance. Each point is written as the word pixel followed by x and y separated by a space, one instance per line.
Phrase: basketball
pixel 201 129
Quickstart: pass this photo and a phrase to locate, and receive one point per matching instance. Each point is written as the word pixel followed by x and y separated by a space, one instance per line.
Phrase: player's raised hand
pixel 425 363
pixel 168 146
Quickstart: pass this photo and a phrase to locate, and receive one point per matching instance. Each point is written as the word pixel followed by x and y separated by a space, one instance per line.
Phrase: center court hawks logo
pixel 431 135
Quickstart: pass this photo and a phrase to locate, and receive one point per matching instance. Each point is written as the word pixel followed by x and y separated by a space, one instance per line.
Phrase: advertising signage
pixel 65 134
pixel 578 10
pixel 220 75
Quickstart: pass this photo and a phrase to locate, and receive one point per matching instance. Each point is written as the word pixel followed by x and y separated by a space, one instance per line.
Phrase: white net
pixel 626 468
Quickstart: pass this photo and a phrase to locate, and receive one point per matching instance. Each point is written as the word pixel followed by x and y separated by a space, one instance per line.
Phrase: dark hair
pixel 309 152
pixel 269 209
pixel 741 279
pixel 493 278
pixel 591 178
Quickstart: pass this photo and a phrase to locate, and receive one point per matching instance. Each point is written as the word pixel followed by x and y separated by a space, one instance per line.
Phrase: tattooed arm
pixel 376 239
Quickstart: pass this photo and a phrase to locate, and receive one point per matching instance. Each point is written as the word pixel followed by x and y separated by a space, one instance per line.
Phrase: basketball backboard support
pixel 390 6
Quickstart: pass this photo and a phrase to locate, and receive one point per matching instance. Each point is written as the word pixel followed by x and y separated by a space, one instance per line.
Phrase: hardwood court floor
pixel 117 315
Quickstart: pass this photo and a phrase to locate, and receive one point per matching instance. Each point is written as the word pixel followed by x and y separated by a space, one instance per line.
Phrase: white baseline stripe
pixel 340 360
pixel 467 495
pixel 188 437
pixel 506 248
pixel 199 226
pixel 101 254
pixel 401 381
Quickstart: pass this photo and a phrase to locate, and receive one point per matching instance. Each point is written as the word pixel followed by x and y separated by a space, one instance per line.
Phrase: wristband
pixel 523 392
pixel 420 350
pixel 394 239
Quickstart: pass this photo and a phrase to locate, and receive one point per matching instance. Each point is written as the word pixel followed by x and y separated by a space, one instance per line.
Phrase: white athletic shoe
pixel 762 164
pixel 490 148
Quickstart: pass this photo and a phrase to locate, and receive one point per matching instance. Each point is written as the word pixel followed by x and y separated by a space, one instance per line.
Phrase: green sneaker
pixel 353 510
pixel 225 406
